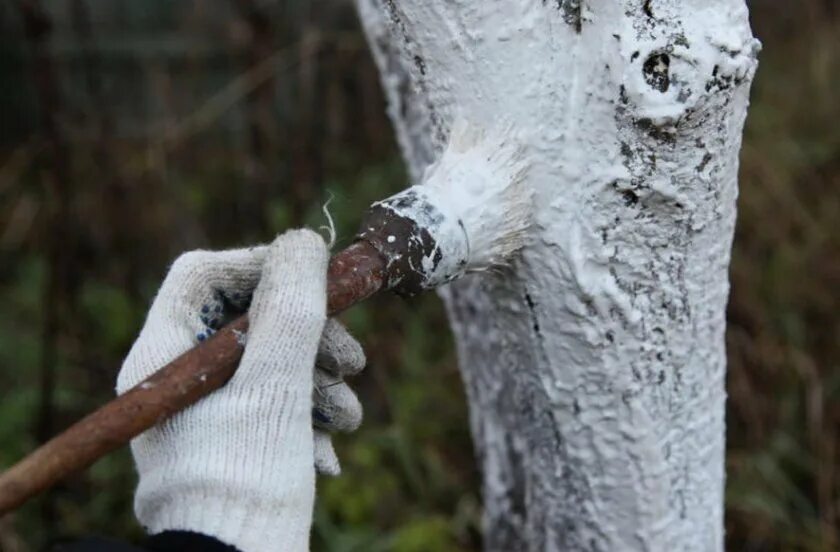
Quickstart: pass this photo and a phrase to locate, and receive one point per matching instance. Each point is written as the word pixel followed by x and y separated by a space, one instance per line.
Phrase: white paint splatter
pixel 241 337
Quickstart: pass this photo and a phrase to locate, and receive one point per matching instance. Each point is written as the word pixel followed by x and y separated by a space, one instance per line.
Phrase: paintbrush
pixel 471 213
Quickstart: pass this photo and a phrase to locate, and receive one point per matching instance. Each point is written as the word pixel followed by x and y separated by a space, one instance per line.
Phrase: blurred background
pixel 132 131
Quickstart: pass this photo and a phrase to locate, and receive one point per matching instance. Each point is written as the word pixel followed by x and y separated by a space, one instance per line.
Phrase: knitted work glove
pixel 239 464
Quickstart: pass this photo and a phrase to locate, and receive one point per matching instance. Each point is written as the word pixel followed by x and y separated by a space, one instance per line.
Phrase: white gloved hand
pixel 239 465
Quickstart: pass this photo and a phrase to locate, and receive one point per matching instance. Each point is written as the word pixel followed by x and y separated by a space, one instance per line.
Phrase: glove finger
pixel 287 313
pixel 338 351
pixel 201 290
pixel 335 405
pixel 326 460
pixel 205 288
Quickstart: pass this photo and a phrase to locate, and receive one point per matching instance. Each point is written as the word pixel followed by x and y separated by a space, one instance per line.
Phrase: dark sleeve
pixel 168 541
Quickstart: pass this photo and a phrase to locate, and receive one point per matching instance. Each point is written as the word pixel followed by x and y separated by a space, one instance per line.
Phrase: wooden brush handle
pixel 354 274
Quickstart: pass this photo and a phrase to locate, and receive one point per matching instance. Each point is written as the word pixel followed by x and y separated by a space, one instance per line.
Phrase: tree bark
pixel 595 363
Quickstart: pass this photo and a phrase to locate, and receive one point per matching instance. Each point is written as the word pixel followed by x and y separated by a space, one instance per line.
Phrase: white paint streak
pixel 595 367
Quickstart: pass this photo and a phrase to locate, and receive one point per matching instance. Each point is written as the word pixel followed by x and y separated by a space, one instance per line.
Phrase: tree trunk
pixel 594 364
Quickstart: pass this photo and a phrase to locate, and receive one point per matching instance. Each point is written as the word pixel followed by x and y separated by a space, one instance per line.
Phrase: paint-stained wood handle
pixel 354 274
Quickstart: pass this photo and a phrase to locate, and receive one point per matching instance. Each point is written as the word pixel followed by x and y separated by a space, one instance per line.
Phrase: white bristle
pixel 474 202
pixel 480 181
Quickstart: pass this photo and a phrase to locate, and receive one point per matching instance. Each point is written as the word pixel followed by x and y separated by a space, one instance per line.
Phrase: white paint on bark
pixel 595 365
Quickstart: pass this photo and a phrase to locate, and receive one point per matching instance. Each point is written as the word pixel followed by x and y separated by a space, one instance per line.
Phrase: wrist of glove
pixel 240 464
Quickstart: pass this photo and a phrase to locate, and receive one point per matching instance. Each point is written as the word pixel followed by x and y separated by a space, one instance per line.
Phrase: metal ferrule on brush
pixel 423 246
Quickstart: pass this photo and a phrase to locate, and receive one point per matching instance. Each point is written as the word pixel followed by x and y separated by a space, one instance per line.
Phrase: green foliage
pixel 110 314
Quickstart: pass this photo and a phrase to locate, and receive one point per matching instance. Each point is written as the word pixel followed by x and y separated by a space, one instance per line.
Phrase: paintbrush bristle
pixel 472 212
pixel 480 179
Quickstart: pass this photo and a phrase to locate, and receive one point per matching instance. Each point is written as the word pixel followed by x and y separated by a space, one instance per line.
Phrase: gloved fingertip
pixel 339 352
pixel 336 407
pixel 292 288
pixel 234 270
pixel 326 460
pixel 299 246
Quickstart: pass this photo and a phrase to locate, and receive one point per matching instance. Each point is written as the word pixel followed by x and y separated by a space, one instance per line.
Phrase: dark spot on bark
pixel 681 40
pixel 626 151
pixel 672 310
pixel 661 378
pixel 705 161
pixel 530 301
pixel 659 356
pixel 719 81
pixel 610 336
pixel 630 197
pixel 635 55
pixel 576 407
pixel 392 11
pixel 646 125
pixel 622 95
pixel 438 126
pixel 648 9
pixel 555 428
pixel 569 526
pixel 571 12
pixel 532 307
pixel 656 73
pixel 681 497
pixel 420 64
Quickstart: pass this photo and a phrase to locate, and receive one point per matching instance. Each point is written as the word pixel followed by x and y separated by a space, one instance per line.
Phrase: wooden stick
pixel 354 274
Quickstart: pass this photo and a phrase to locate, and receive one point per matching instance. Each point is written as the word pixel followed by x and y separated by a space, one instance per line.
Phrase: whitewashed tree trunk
pixel 595 364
